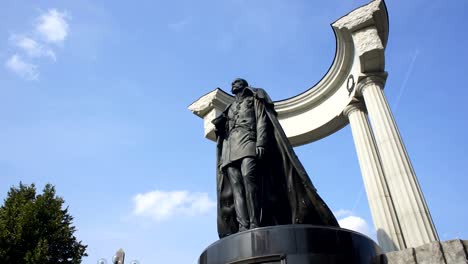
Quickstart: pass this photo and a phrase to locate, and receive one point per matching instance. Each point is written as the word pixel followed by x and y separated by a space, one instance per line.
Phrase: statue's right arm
pixel 220 125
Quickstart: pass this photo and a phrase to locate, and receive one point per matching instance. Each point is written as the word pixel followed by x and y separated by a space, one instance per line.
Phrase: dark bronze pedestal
pixel 293 244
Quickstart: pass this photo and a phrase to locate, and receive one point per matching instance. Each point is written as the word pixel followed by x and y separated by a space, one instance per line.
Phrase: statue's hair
pixel 246 84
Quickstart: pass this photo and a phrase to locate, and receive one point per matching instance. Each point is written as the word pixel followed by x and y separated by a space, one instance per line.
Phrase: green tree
pixel 34 228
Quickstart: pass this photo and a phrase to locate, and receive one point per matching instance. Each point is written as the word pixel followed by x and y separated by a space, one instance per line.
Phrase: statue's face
pixel 237 86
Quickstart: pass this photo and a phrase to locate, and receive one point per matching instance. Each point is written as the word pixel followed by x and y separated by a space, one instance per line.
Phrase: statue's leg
pixel 249 173
pixel 235 177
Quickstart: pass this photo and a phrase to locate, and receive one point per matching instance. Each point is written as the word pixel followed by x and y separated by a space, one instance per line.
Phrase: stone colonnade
pixel 378 195
pixel 400 213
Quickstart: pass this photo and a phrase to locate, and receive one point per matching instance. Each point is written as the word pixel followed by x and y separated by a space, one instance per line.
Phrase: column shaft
pixel 380 202
pixel 412 212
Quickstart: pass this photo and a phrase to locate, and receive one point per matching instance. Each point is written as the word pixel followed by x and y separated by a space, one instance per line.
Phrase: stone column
pixel 411 209
pixel 380 202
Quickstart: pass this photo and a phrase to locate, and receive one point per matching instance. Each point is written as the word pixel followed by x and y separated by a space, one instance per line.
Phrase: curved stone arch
pixel 353 84
pixel 361 37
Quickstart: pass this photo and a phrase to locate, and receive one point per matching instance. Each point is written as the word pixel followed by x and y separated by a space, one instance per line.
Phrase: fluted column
pixel 411 209
pixel 380 202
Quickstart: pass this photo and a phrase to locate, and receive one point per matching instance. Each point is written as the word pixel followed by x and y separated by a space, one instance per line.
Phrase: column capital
pixel 355 105
pixel 376 79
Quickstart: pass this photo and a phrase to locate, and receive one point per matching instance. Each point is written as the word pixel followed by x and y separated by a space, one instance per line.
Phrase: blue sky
pixel 94 96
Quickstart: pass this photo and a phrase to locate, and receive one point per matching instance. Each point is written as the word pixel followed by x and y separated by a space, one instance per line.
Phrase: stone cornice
pixel 215 99
pixel 373 14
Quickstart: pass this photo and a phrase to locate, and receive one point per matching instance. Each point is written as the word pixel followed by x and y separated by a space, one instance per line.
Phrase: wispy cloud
pixel 162 205
pixel 179 25
pixel 52 26
pixel 405 81
pixel 342 213
pixel 31 47
pixel 24 69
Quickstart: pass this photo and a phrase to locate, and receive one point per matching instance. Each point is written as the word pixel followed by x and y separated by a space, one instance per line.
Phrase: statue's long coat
pixel 287 194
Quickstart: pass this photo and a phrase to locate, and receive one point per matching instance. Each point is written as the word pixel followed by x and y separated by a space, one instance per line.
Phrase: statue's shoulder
pixel 262 95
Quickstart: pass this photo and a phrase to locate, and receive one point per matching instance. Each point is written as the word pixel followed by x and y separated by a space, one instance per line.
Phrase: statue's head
pixel 238 85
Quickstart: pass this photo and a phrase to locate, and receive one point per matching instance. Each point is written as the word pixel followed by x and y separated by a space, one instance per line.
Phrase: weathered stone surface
pixel 119 257
pixel 448 252
pixel 370 49
pixel 208 107
pixel 465 245
pixel 430 253
pixel 454 252
pixel 204 104
pixel 367 39
pixel 406 256
pixel 360 17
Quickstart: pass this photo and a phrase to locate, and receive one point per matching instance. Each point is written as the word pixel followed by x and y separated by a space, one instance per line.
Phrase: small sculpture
pixel 260 181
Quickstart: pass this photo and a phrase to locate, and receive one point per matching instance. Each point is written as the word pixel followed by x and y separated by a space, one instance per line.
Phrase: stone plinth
pixel 293 244
pixel 448 252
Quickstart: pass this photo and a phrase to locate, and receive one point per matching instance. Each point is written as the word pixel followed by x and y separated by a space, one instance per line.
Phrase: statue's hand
pixel 260 151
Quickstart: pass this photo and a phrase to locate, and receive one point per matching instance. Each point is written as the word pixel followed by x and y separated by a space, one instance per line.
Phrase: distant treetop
pixel 34 228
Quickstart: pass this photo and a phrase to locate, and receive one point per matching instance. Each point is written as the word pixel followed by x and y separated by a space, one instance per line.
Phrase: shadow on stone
pixel 385 241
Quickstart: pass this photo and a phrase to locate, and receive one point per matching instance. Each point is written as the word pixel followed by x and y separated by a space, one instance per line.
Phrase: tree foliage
pixel 34 228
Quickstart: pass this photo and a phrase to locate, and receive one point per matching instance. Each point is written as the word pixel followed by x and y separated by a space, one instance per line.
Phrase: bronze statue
pixel 260 181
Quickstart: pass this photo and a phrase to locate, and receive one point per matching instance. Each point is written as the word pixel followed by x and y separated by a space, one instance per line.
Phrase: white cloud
pixel 31 47
pixel 52 26
pixel 342 213
pixel 355 223
pixel 347 219
pixel 24 69
pixel 161 205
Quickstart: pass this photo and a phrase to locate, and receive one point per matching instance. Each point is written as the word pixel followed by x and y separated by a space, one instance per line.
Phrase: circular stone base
pixel 293 244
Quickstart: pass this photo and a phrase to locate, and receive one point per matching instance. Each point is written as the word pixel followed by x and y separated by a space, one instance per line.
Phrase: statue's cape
pixel 287 193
